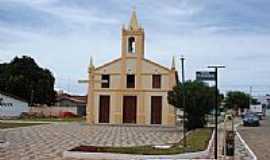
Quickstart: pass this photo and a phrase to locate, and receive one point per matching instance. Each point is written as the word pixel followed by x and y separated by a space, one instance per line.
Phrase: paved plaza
pixel 47 142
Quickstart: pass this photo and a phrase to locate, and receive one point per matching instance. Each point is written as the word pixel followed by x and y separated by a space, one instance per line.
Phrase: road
pixel 258 138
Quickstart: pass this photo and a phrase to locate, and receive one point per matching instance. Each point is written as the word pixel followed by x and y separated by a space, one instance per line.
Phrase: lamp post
pixel 183 100
pixel 216 67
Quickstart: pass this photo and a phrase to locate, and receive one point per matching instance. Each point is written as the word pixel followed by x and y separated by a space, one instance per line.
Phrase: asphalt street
pixel 258 138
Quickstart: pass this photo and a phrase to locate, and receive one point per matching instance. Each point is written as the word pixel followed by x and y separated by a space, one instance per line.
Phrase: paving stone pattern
pixel 47 142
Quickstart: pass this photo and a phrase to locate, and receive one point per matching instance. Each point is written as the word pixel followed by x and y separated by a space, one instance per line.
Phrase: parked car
pixel 251 119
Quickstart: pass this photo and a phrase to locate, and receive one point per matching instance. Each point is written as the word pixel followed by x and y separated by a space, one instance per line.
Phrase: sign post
pixel 216 108
pixel 212 76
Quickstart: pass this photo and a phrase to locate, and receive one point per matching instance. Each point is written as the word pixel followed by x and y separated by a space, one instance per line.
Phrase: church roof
pixel 156 64
pixel 108 63
pixel 118 59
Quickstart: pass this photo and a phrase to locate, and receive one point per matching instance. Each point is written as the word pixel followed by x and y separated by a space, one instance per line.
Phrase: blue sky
pixel 62 35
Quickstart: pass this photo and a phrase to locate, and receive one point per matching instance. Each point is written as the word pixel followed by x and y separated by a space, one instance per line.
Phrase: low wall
pixel 52 110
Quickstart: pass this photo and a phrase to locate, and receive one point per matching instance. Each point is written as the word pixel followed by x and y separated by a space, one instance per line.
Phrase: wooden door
pixel 156 109
pixel 129 109
pixel 104 109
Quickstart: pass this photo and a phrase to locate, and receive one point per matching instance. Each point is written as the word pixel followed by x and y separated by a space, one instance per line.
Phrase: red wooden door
pixel 156 109
pixel 104 109
pixel 129 109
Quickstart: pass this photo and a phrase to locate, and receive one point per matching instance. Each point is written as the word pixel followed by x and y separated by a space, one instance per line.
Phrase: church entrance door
pixel 104 109
pixel 156 109
pixel 129 109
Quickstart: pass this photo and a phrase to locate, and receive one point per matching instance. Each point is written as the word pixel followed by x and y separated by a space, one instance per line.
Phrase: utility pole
pixel 250 96
pixel 184 100
pixel 68 85
pixel 216 107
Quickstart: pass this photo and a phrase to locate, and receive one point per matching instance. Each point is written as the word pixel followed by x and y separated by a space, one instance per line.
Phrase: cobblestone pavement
pixel 258 139
pixel 47 142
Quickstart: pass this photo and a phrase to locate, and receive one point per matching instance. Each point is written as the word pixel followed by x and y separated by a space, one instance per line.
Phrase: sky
pixel 61 35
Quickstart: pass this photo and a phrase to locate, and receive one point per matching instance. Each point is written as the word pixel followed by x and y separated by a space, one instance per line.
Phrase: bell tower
pixel 132 38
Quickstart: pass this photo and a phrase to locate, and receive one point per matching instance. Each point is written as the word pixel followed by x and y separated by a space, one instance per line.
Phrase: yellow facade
pixel 132 61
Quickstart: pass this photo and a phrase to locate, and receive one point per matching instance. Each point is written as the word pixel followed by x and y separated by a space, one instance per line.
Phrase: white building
pixel 12 106
pixel 263 99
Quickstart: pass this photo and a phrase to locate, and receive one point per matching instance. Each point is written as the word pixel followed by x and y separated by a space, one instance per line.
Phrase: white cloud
pixel 78 15
pixel 198 30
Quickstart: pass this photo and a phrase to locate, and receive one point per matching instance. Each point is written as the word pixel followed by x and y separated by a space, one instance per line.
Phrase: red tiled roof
pixel 73 98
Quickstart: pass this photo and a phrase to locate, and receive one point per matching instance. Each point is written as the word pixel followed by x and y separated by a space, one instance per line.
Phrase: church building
pixel 131 89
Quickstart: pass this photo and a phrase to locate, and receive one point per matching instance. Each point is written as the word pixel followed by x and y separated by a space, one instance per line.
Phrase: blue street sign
pixel 205 76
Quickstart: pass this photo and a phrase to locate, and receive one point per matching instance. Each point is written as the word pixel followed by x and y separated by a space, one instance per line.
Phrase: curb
pixel 113 156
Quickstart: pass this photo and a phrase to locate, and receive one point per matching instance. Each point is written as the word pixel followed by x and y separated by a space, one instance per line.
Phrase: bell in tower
pixel 131 45
pixel 133 38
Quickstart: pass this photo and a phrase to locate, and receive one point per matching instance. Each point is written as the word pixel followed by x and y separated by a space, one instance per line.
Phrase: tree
pixel 199 102
pixel 237 100
pixel 22 77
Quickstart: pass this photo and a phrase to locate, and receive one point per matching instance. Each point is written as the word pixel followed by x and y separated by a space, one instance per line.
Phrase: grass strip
pixel 196 141
pixel 15 125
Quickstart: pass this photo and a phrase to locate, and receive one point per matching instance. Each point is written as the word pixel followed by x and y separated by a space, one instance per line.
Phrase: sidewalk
pixel 241 152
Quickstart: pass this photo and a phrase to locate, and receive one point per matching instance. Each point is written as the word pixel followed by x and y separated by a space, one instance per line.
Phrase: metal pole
pixel 250 96
pixel 216 107
pixel 216 114
pixel 183 101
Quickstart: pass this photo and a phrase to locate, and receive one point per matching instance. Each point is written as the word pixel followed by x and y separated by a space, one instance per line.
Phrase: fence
pixel 52 110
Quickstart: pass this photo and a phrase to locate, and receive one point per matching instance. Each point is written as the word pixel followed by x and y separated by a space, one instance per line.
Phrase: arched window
pixel 131 45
